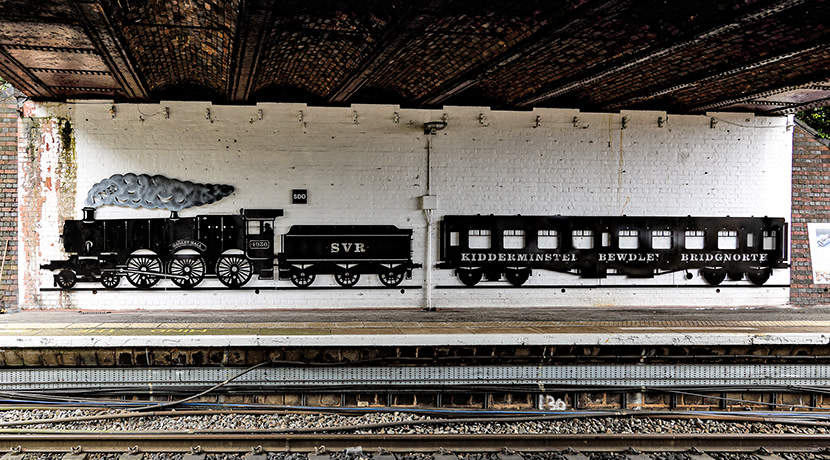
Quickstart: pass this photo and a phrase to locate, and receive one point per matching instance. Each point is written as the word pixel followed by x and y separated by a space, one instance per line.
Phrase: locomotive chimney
pixel 89 214
pixel 174 215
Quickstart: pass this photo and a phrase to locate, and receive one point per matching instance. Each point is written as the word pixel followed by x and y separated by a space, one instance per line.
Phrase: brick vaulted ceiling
pixel 766 56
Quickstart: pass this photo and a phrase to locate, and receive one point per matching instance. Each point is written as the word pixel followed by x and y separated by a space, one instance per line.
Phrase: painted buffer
pixel 495 247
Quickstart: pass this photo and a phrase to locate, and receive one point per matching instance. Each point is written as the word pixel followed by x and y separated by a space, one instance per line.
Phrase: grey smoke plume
pixel 145 191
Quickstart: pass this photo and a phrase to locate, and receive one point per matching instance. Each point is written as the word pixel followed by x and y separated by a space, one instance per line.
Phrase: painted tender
pixel 346 251
pixel 510 247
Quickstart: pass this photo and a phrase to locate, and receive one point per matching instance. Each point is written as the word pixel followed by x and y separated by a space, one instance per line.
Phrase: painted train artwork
pixel 234 247
pixel 231 247
pixel 493 247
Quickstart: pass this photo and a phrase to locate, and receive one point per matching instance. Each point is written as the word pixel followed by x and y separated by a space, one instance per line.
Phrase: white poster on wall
pixel 820 251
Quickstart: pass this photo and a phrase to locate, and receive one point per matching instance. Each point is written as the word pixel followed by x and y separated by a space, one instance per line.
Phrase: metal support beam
pixel 543 38
pixel 713 77
pixel 614 67
pixel 107 42
pixel 257 16
pixel 390 43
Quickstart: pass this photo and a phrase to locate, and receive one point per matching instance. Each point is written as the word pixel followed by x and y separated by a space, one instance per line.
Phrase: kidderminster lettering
pixel 513 257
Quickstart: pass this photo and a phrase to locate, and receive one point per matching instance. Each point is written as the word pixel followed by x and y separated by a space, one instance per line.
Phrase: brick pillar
pixel 811 203
pixel 8 199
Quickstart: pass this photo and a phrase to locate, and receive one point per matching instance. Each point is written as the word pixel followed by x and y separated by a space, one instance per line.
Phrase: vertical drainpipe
pixel 428 215
pixel 428 204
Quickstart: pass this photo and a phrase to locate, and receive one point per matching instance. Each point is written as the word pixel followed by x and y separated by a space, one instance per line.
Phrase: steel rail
pixel 155 442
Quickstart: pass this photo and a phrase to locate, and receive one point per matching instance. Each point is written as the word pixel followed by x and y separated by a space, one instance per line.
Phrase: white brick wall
pixel 373 171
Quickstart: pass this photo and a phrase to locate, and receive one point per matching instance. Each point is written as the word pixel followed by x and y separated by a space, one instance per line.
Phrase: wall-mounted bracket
pixel 431 127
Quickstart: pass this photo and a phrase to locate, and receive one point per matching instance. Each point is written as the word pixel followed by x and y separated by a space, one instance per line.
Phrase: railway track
pixel 206 442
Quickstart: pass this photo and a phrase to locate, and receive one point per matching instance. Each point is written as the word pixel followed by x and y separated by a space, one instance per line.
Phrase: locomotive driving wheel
pixel 142 271
pixel 192 268
pixel 391 277
pixel 66 279
pixel 110 279
pixel 302 278
pixel 234 271
pixel 346 278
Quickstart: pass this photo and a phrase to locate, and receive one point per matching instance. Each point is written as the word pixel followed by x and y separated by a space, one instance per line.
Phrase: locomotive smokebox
pixel 89 214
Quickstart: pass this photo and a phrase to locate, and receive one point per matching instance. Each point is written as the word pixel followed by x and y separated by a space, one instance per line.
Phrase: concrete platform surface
pixel 407 327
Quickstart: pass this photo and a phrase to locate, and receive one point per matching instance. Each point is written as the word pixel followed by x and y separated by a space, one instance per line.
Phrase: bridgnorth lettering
pixel 721 257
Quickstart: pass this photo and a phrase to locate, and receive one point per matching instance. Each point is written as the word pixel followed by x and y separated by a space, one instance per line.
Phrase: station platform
pixel 415 327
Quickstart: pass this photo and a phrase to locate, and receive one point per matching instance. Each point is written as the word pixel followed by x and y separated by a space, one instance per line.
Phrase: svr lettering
pixel 347 247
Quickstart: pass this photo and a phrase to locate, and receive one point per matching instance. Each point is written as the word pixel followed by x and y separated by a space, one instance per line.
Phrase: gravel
pixel 391 423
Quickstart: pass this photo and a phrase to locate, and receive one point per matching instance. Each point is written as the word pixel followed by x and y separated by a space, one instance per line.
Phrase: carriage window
pixel 770 241
pixel 513 239
pixel 454 239
pixel 583 239
pixel 253 227
pixel 547 239
pixel 661 239
pixel 629 239
pixel 606 239
pixel 728 239
pixel 478 239
pixel 694 239
pixel 750 240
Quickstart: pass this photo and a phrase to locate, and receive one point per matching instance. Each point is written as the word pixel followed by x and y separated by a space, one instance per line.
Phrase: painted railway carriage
pixel 346 251
pixel 493 247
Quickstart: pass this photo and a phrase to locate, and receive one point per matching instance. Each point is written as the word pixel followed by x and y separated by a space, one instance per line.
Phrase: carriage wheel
pixel 66 279
pixel 234 271
pixel 302 278
pixel 148 266
pixel 391 277
pixel 469 277
pixel 110 279
pixel 759 277
pixel 346 278
pixel 191 267
pixel 713 277
pixel 517 277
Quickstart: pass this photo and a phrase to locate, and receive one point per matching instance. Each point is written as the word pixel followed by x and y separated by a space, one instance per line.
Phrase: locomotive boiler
pixel 510 247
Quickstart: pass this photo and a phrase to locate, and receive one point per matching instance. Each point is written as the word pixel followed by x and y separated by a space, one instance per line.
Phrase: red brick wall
pixel 8 200
pixel 811 203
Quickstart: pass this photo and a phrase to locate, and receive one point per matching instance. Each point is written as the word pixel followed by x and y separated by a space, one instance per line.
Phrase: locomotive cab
pixel 259 238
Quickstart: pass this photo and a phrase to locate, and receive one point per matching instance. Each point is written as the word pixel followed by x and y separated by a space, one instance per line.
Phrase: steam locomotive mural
pixel 235 247
pixel 231 247
pixel 510 247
